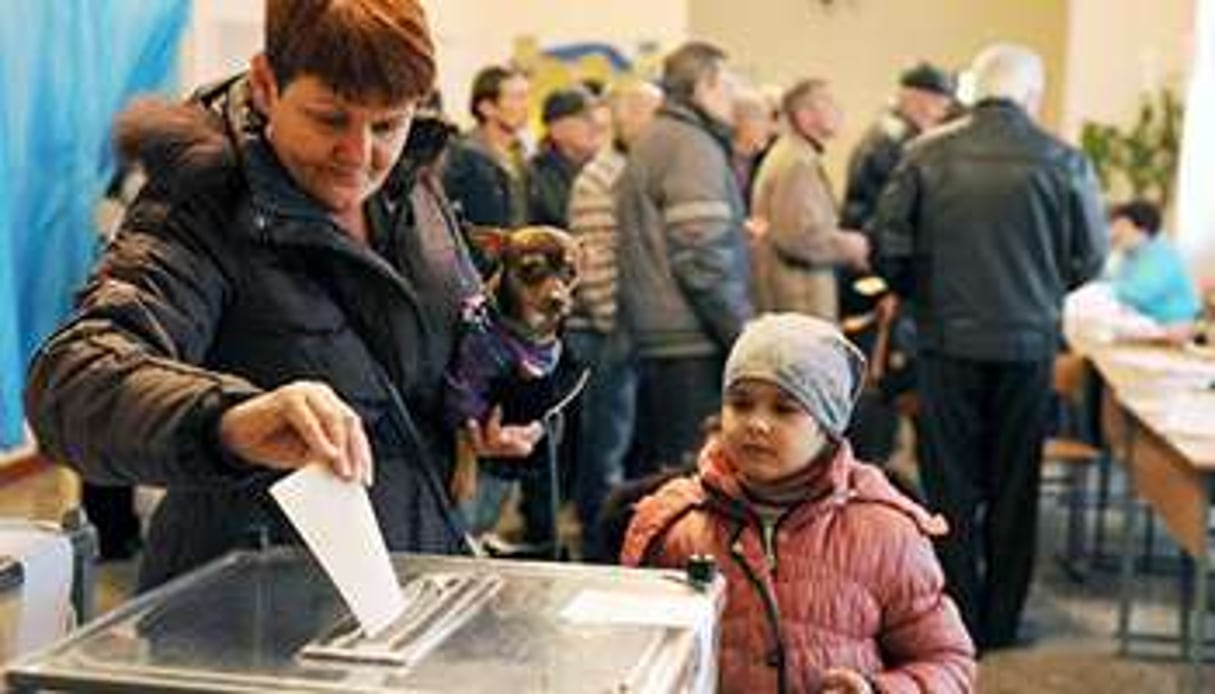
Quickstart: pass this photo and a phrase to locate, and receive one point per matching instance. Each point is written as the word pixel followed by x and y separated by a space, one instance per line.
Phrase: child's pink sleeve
pixel 923 637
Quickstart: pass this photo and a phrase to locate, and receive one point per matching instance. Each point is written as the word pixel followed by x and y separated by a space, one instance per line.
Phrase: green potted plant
pixel 1139 161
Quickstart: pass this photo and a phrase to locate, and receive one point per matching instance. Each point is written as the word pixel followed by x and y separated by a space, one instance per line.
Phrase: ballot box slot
pixel 436 606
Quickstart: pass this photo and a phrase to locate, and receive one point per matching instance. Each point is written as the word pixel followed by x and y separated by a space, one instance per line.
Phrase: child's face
pixel 767 432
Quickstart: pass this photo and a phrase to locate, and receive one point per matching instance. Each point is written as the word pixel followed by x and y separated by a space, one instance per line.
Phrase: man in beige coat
pixel 794 261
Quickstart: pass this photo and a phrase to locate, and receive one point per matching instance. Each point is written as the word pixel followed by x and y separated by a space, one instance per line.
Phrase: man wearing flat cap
pixel 571 138
pixel 924 95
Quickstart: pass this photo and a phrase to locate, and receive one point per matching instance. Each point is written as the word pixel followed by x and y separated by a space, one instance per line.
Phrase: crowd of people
pixel 286 290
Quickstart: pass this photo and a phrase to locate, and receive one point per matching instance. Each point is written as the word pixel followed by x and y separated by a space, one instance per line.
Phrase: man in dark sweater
pixel 571 138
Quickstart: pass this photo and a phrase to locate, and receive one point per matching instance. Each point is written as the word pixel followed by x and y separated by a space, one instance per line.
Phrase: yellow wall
pixel 861 45
pixel 469 34
pixel 473 33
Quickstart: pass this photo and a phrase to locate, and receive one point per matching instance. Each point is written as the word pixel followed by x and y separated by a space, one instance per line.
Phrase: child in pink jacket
pixel 832 584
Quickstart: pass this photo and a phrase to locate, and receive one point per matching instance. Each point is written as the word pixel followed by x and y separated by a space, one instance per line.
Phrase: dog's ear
pixel 491 241
pixel 489 245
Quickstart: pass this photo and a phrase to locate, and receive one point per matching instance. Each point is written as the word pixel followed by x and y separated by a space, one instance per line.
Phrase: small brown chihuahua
pixel 510 333
pixel 537 272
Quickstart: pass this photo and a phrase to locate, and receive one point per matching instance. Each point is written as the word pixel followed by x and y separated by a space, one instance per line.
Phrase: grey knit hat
pixel 808 358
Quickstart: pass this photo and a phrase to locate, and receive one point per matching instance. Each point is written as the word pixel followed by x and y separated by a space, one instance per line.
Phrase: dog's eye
pixel 533 270
pixel 568 274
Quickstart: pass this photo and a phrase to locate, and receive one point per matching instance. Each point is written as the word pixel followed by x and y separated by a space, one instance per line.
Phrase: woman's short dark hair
pixel 365 50
pixel 487 86
pixel 1143 214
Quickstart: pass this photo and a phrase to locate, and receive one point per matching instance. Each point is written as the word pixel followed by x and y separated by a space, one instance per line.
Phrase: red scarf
pixel 811 482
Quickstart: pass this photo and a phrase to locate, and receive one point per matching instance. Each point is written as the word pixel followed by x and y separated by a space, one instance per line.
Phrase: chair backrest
pixel 1070 377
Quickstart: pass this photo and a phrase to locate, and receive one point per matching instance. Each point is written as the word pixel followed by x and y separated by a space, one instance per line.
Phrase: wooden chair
pixel 1074 456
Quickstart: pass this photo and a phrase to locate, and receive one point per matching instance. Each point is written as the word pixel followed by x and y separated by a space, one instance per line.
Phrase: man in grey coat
pixel 683 254
pixel 985 225
pixel 795 260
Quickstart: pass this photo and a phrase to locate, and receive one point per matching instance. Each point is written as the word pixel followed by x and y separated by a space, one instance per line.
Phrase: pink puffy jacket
pixel 851 582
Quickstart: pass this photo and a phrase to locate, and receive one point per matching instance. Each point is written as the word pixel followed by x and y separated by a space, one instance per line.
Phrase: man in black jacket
pixel 985 225
pixel 923 99
pixel 925 93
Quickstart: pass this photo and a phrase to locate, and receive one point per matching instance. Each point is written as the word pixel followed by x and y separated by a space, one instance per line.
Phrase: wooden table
pixel 1159 417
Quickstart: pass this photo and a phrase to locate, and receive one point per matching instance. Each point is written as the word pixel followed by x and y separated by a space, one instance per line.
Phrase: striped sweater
pixel 592 220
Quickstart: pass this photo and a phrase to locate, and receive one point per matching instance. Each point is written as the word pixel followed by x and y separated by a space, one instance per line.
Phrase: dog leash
pixel 553 422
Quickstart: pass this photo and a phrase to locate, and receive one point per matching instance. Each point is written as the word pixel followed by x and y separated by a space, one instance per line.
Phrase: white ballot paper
pixel 336 521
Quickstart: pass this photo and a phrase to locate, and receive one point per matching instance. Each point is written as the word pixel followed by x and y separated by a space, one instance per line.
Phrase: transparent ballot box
pixel 271 620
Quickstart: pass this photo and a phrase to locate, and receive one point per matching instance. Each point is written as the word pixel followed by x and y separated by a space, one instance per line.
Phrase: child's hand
pixel 496 440
pixel 845 681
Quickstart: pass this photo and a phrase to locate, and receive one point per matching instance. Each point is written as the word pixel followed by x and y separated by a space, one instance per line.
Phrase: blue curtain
pixel 66 68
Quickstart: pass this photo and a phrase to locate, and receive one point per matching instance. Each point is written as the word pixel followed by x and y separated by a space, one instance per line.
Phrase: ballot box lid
pixel 244 622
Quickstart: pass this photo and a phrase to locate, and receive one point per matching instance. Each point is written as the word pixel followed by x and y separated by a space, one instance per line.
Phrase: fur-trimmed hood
pixel 175 142
pixel 212 146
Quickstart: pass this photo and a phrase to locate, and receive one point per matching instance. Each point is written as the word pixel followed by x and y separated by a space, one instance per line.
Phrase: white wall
pixel 1195 203
pixel 221 37
pixel 1117 50
pixel 474 33
pixel 1120 49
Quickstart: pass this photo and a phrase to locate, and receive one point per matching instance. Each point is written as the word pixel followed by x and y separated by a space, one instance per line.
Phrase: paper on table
pixel 1191 414
pixel 1171 363
pixel 336 521
pixel 606 607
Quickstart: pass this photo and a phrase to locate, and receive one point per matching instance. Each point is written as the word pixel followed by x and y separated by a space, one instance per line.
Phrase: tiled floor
pixel 1075 652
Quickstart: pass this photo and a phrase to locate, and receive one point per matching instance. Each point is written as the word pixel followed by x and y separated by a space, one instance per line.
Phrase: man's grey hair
pixel 626 94
pixel 687 65
pixel 1008 71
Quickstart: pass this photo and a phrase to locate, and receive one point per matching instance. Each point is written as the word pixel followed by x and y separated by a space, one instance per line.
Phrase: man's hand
pixel 756 227
pixel 844 681
pixel 495 440
pixel 296 425
pixel 854 249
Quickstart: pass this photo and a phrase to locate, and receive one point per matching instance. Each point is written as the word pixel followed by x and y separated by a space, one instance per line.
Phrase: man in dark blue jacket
pixel 486 175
